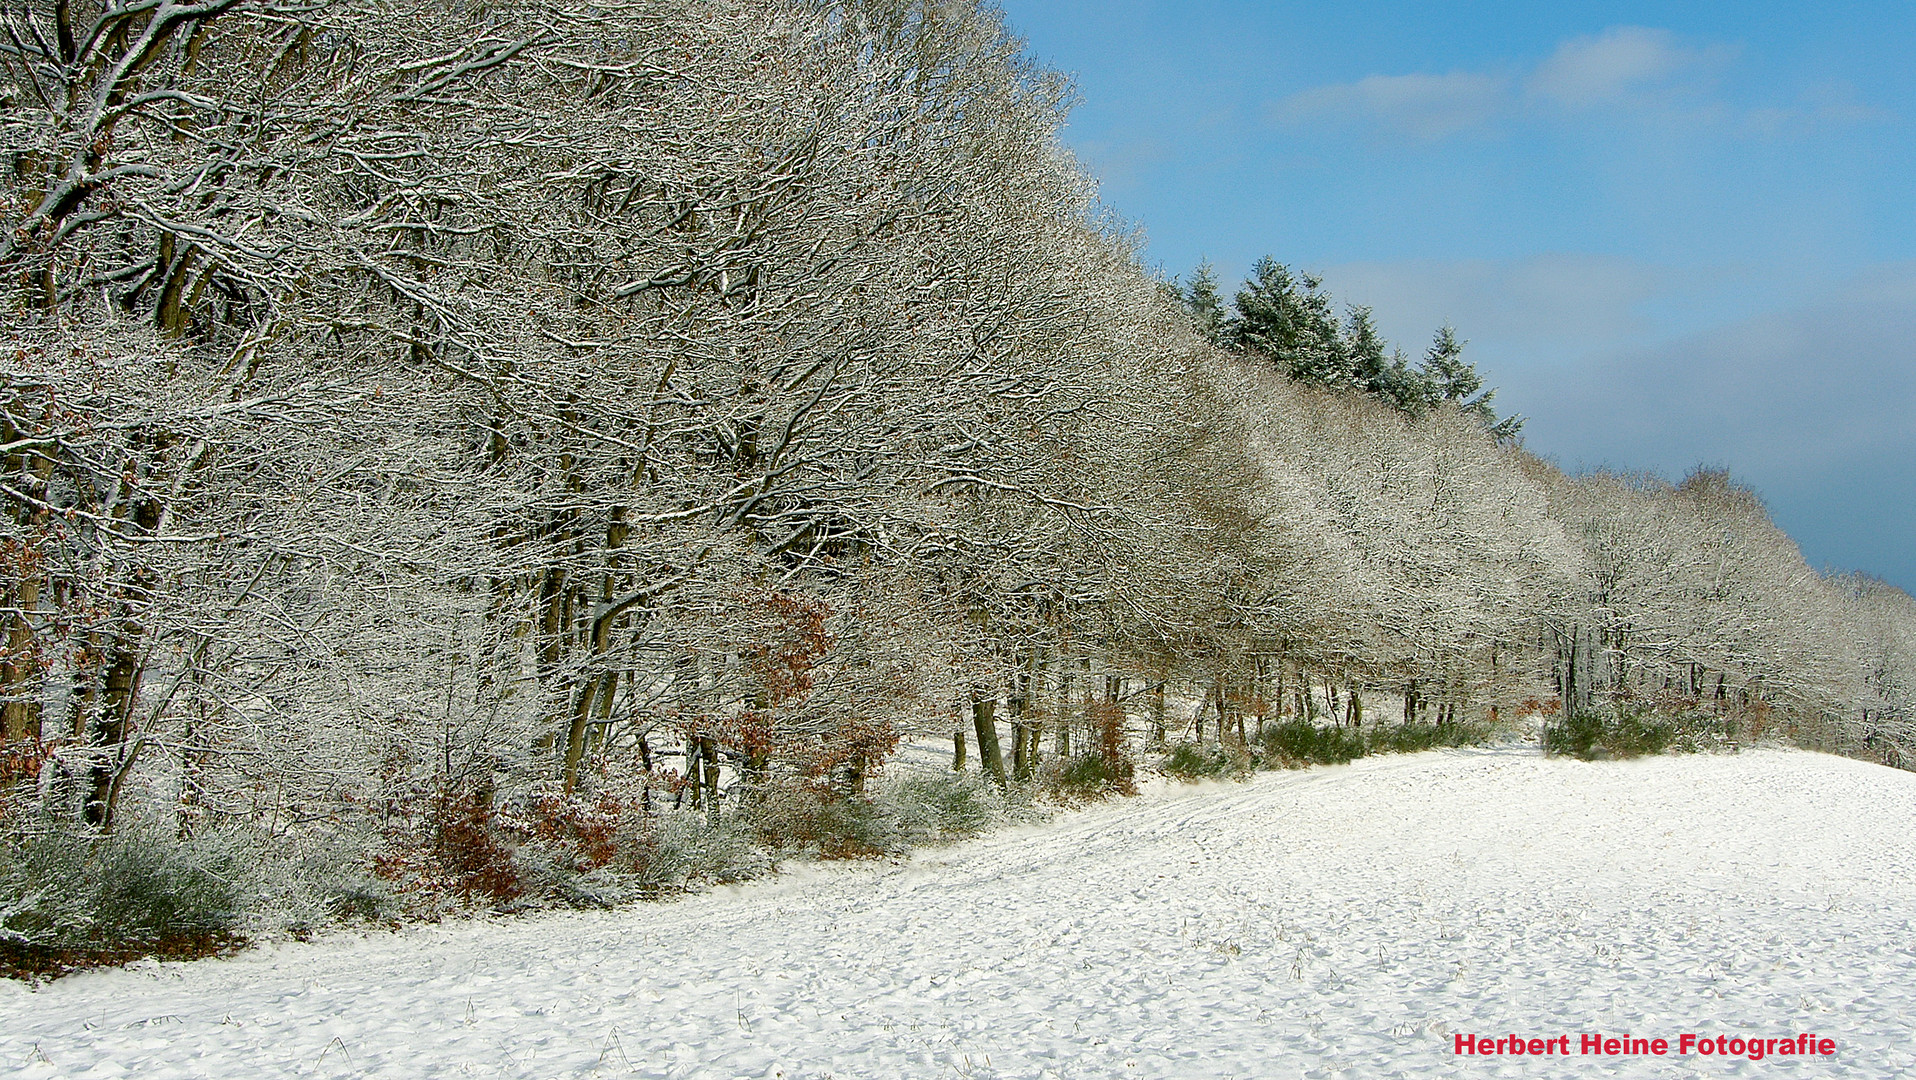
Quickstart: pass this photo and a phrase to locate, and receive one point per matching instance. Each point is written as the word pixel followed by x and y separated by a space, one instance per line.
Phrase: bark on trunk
pixel 1157 714
pixel 984 719
pixel 957 741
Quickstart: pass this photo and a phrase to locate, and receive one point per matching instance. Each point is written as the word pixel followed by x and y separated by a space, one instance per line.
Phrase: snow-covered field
pixel 1337 922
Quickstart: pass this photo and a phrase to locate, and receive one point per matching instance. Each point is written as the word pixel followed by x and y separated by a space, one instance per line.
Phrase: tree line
pixel 412 415
pixel 1286 319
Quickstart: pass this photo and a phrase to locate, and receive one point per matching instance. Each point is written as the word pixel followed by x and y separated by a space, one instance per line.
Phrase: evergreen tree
pixel 1452 378
pixel 1365 348
pixel 1201 299
pixel 1449 377
pixel 1404 387
pixel 1288 320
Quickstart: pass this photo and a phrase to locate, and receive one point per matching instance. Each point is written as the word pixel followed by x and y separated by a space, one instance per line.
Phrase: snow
pixel 1336 922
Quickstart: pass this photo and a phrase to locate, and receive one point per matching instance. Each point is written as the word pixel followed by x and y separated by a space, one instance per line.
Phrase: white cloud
pixel 1634 365
pixel 1424 106
pixel 1623 63
pixel 1810 403
pixel 1788 390
pixel 1824 107
pixel 1591 299
pixel 1627 70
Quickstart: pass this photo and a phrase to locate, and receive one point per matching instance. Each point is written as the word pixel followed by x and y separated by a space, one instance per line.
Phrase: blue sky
pixel 1673 234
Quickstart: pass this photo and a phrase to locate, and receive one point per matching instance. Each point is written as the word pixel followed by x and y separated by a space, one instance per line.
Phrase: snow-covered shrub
pixel 1298 743
pixel 584 833
pixel 73 898
pixel 456 853
pixel 1207 761
pixel 1634 730
pixel 585 851
pixel 1590 735
pixel 1414 737
pixel 930 807
pixel 336 883
pixel 814 822
pixel 1090 775
pixel 1104 769
pixel 692 847
pixel 550 848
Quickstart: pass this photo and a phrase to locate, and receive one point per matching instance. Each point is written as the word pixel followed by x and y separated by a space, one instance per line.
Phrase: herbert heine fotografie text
pixel 1754 1048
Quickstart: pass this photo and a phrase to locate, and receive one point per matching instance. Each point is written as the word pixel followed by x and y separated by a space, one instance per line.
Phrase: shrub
pixel 1091 775
pixel 549 847
pixel 1633 731
pixel 1578 735
pixel 690 847
pixel 458 852
pixel 1206 761
pixel 941 806
pixel 71 898
pixel 578 859
pixel 579 850
pixel 804 820
pixel 349 894
pixel 1414 737
pixel 1107 721
pixel 1298 742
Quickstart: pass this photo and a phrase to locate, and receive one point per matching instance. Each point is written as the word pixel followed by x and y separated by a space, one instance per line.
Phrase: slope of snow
pixel 1337 922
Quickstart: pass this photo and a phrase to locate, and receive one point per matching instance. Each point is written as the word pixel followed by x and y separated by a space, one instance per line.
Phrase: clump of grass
pixel 934 807
pixel 1090 775
pixel 72 898
pixel 1631 731
pixel 1207 761
pixel 1416 737
pixel 1298 742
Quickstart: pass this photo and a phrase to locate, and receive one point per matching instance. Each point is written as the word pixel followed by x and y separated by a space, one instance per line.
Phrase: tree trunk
pixel 1157 714
pixel 958 740
pixel 111 729
pixel 708 754
pixel 1062 742
pixel 1217 702
pixel 1022 732
pixel 19 696
pixel 984 719
pixel 689 782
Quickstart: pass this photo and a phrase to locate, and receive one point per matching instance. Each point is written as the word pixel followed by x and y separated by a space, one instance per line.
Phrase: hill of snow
pixel 1338 922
